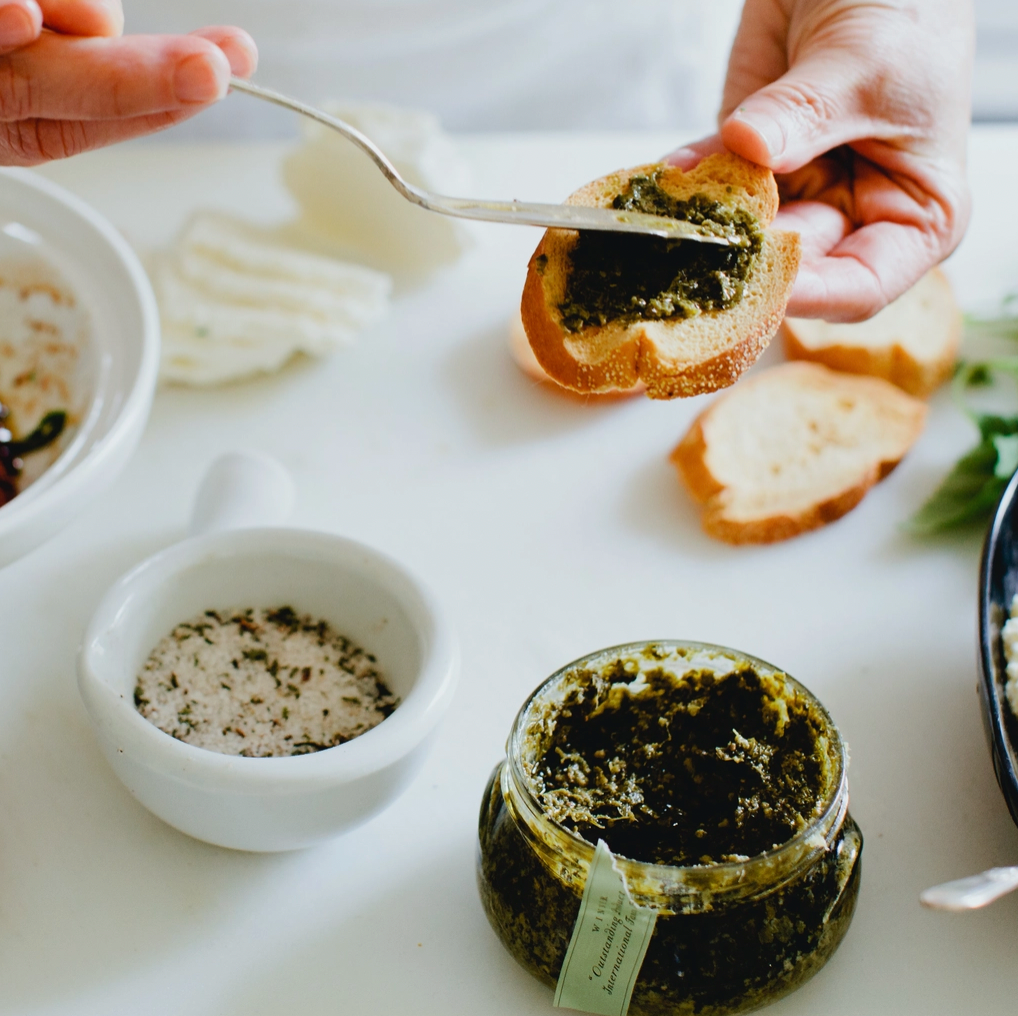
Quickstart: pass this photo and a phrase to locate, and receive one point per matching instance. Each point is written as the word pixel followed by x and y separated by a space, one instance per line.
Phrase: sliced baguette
pixel 523 357
pixel 912 342
pixel 793 448
pixel 676 356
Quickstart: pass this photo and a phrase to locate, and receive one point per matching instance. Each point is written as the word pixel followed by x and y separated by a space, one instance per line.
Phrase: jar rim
pixel 663 883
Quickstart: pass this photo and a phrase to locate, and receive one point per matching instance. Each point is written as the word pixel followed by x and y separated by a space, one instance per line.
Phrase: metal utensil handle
pixel 521 212
pixel 364 143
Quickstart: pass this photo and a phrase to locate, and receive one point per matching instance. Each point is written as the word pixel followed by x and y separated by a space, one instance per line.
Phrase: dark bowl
pixel 998 583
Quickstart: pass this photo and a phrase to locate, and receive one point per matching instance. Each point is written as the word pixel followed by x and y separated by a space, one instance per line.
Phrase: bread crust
pixel 691 458
pixel 523 356
pixel 892 362
pixel 676 357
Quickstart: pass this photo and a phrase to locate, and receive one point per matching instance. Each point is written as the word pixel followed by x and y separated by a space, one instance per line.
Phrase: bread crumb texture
pixel 793 448
pixel 523 356
pixel 912 342
pixel 261 683
pixel 677 356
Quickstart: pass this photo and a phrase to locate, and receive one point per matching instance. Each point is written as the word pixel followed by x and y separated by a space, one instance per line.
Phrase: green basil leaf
pixel 976 374
pixel 1005 327
pixel 1005 364
pixel 969 493
pixel 991 426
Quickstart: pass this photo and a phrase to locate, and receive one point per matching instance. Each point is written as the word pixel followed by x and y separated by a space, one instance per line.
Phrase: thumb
pixel 814 107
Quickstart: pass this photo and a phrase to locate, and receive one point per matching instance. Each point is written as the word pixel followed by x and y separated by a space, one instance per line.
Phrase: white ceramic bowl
pixel 269 803
pixel 38 218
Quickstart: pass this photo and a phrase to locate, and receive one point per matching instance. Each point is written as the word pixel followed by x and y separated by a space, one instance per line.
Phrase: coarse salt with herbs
pixel 261 683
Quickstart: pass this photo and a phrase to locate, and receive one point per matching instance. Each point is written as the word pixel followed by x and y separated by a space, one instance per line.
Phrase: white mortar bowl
pixel 40 219
pixel 268 804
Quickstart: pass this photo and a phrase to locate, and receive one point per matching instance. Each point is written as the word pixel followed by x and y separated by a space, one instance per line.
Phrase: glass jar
pixel 729 937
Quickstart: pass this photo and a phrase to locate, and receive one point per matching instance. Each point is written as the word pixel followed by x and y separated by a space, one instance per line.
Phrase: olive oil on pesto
pixel 699 770
pixel 628 277
pixel 679 771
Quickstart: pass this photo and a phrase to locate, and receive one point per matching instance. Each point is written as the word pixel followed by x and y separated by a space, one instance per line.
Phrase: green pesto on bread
pixel 682 317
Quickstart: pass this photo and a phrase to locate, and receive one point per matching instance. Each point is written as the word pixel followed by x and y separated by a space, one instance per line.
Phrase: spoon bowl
pixel 973 892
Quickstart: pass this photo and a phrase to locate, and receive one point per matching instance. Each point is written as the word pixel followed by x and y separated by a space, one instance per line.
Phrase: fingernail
pixel 765 128
pixel 17 26
pixel 242 53
pixel 197 78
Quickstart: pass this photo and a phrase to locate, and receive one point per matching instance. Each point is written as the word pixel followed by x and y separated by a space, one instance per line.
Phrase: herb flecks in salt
pixel 261 683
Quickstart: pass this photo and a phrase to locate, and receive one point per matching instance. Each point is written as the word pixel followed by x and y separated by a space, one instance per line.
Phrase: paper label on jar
pixel 610 939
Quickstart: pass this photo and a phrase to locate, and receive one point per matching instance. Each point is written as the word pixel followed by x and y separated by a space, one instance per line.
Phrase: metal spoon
pixel 519 212
pixel 972 892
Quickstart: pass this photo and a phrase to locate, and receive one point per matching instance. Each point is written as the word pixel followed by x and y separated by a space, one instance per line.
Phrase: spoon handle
pixel 518 212
pixel 972 892
pixel 362 141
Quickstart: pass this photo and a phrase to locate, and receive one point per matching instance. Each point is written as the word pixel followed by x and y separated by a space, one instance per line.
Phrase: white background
pixel 549 527
pixel 995 92
pixel 515 64
pixel 480 64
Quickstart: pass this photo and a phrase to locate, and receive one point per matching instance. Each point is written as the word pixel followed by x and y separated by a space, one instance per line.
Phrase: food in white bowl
pixel 44 366
pixel 79 334
pixel 281 803
pixel 262 683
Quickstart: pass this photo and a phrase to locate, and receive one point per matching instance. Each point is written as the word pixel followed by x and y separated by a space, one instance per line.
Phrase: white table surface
pixel 549 528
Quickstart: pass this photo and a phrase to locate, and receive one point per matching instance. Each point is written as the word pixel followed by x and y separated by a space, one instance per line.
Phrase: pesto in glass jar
pixel 717 781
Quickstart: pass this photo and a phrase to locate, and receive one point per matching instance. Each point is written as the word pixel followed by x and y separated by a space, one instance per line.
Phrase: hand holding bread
pixel 862 111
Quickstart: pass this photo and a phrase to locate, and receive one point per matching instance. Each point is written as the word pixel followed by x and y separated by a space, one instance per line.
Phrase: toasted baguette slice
pixel 676 356
pixel 912 342
pixel 523 357
pixel 793 448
